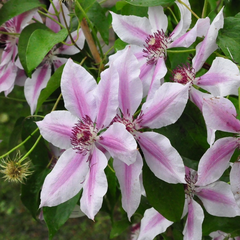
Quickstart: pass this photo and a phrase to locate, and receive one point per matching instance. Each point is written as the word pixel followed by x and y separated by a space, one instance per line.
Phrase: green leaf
pixel 129 9
pixel 150 3
pixel 55 217
pixel 166 198
pixel 40 154
pixel 31 189
pixel 24 39
pixel 98 17
pixel 188 135
pixel 35 42
pixel 118 227
pixel 14 8
pixel 52 85
pixel 119 44
pixel 229 38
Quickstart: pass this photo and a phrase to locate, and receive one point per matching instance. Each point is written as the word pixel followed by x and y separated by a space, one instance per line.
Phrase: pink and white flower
pixel 42 74
pixel 216 196
pixel 81 131
pixel 150 42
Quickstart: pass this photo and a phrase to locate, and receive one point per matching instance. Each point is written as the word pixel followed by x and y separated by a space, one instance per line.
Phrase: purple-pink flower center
pixel 183 74
pixel 84 134
pixel 155 47
pixel 8 27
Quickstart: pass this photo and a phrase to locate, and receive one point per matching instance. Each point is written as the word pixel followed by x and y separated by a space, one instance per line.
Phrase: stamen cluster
pixel 155 47
pixel 183 74
pixel 84 134
pixel 190 179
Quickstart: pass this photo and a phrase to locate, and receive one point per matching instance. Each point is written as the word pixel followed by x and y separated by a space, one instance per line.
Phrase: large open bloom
pixel 150 41
pixel 81 131
pixel 42 74
pixel 216 196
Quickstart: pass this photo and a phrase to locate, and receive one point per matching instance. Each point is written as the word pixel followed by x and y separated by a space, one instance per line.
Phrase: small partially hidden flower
pixel 15 171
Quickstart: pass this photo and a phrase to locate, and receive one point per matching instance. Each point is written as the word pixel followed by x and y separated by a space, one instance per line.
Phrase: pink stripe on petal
pixel 95 185
pixel 220 114
pixel 218 199
pixel 129 180
pixel 119 143
pixel 165 107
pixel 216 160
pixel 56 128
pixel 152 224
pixel 163 160
pixel 65 180
pixel 33 86
pixel 7 76
pixel 77 87
pixel 193 226
pixel 131 29
pixel 106 96
pixel 157 18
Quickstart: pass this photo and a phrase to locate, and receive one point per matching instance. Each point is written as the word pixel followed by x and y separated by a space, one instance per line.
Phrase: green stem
pixel 188 8
pixel 174 16
pixel 46 15
pixel 181 51
pixel 32 148
pixel 204 11
pixel 14 99
pixel 56 103
pixel 9 33
pixel 19 145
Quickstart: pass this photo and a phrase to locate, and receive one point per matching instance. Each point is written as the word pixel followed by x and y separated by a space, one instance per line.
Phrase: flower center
pixel 191 179
pixel 155 47
pixel 84 134
pixel 183 74
pixel 130 125
pixel 8 27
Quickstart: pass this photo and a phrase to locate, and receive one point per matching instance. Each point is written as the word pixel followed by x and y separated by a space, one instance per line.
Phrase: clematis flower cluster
pixel 114 118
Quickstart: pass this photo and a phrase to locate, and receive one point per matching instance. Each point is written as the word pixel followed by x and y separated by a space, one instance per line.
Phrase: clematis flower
pixel 42 74
pixel 8 68
pixel 150 42
pixel 216 196
pixel 163 109
pixel 81 131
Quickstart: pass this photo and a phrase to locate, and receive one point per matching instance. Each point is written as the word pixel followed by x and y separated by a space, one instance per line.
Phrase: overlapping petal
pixel 95 184
pixel 218 199
pixel 77 89
pixel 163 160
pixel 216 160
pixel 56 128
pixel 235 181
pixel 65 180
pixel 119 143
pixel 129 180
pixel 152 224
pixel 165 107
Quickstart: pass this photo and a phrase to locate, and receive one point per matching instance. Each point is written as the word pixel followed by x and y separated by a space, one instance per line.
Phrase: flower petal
pixel 95 185
pixel 185 21
pixel 163 160
pixel 152 224
pixel 129 180
pixel 131 29
pixel 119 143
pixel 235 181
pixel 222 79
pixel 65 180
pixel 77 86
pixel 187 39
pixel 165 107
pixel 193 226
pixel 33 86
pixel 106 96
pixel 157 18
pixel 56 128
pixel 218 199
pixel 220 114
pixel 216 160
pixel 205 48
